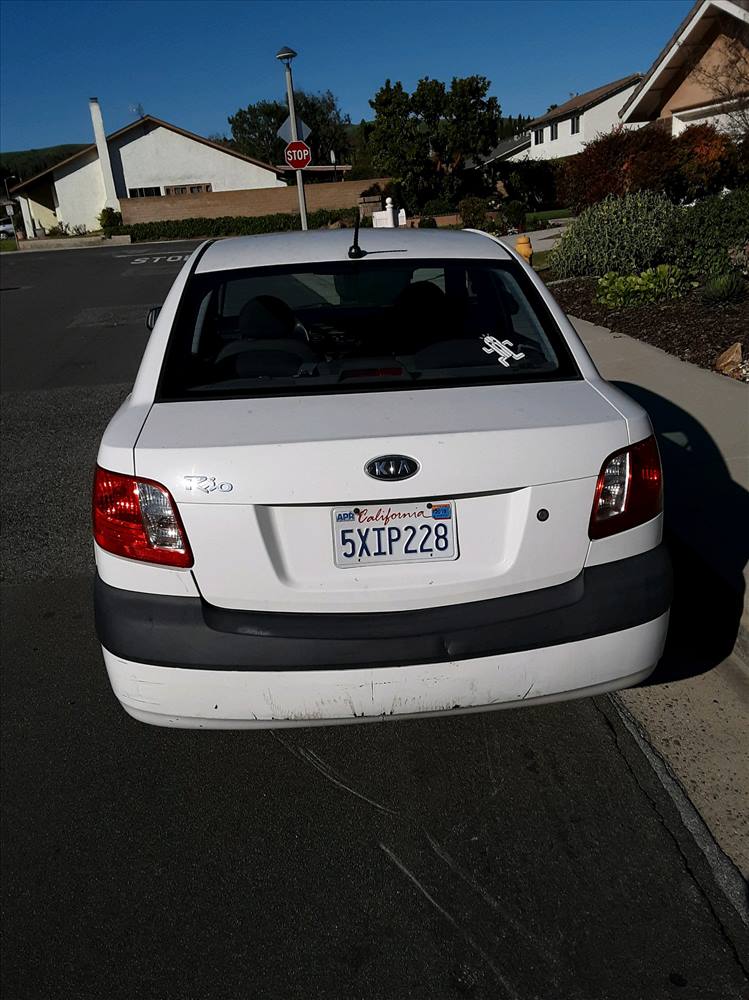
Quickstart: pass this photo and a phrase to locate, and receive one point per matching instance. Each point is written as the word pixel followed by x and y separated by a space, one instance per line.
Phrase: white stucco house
pixel 148 158
pixel 564 130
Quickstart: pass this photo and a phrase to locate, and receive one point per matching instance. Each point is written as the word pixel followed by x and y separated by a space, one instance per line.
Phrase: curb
pixel 85 243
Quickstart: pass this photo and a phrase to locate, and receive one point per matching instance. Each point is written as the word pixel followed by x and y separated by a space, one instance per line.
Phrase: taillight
pixel 629 490
pixel 138 519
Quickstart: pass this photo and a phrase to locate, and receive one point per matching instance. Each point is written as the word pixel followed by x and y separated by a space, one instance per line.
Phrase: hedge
pixel 228 225
pixel 701 236
pixel 697 163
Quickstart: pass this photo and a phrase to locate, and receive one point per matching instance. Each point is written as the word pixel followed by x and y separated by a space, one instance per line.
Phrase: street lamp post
pixel 285 55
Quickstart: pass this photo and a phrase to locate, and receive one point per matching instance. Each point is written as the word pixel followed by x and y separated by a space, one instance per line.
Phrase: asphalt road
pixel 521 854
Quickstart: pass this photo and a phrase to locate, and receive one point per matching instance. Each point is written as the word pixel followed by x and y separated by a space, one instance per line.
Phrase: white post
pixel 294 137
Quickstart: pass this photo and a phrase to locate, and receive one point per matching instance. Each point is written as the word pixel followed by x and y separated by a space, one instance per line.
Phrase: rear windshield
pixel 360 326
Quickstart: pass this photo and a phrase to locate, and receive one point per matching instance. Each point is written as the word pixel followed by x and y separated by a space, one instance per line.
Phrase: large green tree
pixel 253 129
pixel 425 139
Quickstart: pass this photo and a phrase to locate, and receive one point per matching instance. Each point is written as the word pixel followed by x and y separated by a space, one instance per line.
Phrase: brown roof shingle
pixel 582 101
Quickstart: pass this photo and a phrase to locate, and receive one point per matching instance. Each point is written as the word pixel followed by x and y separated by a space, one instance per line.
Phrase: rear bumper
pixel 243 699
pixel 186 633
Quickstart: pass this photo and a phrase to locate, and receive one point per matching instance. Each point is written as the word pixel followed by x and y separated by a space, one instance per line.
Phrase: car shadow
pixel 706 514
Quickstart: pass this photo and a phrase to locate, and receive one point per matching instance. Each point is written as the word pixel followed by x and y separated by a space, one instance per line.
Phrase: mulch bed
pixel 685 327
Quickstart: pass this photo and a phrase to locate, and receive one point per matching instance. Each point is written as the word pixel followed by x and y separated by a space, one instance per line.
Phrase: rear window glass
pixel 360 326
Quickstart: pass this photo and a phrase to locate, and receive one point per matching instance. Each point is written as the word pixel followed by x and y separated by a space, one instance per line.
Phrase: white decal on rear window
pixel 502 348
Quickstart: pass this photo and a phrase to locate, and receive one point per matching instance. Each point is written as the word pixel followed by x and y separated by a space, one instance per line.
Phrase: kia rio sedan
pixel 370 482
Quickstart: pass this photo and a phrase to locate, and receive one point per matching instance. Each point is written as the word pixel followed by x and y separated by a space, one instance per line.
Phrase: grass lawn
pixel 540 258
pixel 7 245
pixel 554 213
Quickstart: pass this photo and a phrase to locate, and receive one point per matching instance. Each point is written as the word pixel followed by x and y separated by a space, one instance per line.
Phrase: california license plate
pixel 370 534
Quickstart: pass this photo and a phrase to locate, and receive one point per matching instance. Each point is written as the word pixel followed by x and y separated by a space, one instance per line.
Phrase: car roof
pixel 326 245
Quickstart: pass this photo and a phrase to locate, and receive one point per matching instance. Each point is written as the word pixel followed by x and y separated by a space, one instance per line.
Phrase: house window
pixel 554 129
pixel 538 137
pixel 575 124
pixel 188 189
pixel 144 192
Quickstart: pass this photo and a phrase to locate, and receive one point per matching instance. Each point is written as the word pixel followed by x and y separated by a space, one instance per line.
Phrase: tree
pixel 221 140
pixel 424 139
pixel 254 128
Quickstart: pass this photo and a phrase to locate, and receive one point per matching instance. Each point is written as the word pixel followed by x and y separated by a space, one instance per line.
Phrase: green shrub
pixel 108 218
pixel 703 238
pixel 438 206
pixel 724 288
pixel 427 222
pixel 617 291
pixel 228 225
pixel 618 234
pixel 533 182
pixel 473 212
pixel 515 211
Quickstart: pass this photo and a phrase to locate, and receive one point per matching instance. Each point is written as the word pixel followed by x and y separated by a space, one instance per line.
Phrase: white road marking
pixel 162 258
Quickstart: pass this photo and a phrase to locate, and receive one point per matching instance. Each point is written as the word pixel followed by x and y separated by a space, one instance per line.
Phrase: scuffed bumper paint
pixel 224 699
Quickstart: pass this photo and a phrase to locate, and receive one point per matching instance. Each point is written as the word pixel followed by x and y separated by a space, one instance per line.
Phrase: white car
pixel 372 481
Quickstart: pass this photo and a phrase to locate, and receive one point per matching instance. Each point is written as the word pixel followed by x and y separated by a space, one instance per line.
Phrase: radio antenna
pixel 355 252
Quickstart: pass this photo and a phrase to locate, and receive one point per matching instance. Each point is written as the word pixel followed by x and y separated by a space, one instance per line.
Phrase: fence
pixel 260 201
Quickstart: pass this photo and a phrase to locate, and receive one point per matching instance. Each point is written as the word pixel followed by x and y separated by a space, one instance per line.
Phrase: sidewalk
pixel 695 709
pixel 541 239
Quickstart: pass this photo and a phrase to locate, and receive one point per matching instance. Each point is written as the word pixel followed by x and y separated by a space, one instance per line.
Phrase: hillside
pixel 25 163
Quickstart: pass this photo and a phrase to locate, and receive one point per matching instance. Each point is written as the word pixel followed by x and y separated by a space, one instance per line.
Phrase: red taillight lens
pixel 629 490
pixel 138 519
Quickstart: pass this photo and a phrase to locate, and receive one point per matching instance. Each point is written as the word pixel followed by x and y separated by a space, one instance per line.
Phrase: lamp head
pixel 286 54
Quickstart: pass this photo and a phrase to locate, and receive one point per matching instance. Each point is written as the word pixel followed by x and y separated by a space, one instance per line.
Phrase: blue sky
pixel 193 62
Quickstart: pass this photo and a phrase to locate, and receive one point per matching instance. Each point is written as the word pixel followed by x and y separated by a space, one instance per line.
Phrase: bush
pixel 624 235
pixel 724 288
pixel 618 291
pixel 707 162
pixel 438 206
pixel 532 182
pixel 706 239
pixel 228 225
pixel 515 211
pixel 473 212
pixel 109 219
pixel 618 163
pixel 427 222
pixel 699 162
pixel 63 230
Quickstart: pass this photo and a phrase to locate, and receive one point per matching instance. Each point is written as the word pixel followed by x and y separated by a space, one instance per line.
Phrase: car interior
pixel 386 324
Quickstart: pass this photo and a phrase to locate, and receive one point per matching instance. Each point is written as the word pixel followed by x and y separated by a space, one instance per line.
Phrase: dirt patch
pixel 686 327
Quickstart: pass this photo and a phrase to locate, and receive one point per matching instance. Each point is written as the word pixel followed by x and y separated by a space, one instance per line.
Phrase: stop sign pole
pixel 286 54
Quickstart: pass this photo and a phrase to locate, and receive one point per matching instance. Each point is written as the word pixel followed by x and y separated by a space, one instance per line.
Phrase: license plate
pixel 370 534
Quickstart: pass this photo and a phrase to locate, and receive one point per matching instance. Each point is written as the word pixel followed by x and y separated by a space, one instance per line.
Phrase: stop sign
pixel 298 154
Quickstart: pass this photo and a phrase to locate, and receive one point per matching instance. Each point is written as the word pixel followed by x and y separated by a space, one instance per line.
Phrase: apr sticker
pixel 502 348
pixel 442 511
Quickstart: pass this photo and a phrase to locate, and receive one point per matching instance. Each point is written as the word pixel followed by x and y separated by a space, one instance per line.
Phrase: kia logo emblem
pixel 392 467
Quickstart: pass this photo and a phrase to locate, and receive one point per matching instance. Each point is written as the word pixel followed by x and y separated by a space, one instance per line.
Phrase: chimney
pixel 103 150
